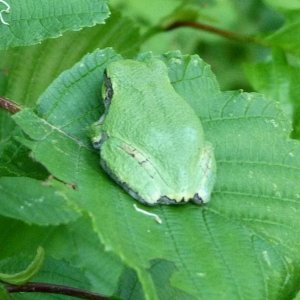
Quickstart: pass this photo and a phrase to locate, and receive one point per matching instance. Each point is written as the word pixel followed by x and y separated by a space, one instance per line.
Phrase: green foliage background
pixel 245 243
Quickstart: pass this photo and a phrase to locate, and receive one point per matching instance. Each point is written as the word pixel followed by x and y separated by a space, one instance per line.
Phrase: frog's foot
pixel 169 201
pixel 197 199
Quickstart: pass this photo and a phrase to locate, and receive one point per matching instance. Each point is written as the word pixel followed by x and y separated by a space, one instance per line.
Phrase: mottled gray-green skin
pixel 151 141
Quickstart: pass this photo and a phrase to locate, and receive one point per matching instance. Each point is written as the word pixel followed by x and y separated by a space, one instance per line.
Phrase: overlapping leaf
pixel 74 255
pixel 285 6
pixel 27 71
pixel 285 37
pixel 21 277
pixel 36 204
pixel 52 271
pixel 29 22
pixel 249 231
pixel 278 79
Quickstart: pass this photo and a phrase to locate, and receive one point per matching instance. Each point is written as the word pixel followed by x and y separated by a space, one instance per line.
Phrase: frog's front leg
pixel 133 170
pixel 6 10
pixel 97 134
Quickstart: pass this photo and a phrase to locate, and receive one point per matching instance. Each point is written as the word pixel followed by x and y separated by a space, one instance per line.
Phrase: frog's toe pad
pixel 166 200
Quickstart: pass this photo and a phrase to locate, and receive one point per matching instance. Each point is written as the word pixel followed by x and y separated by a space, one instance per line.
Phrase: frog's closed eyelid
pixel 107 90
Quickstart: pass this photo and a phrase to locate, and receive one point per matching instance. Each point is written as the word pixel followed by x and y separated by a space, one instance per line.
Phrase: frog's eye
pixel 107 90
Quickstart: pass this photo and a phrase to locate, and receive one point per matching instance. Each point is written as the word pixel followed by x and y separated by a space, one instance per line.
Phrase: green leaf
pixel 146 12
pixel 30 22
pixel 278 80
pixel 297 297
pixel 184 12
pixel 27 72
pixel 284 5
pixel 100 266
pixel 247 233
pixel 15 159
pixel 74 245
pixel 161 271
pixel 53 271
pixel 4 295
pixel 38 203
pixel 284 38
pixel 24 276
pixel 274 79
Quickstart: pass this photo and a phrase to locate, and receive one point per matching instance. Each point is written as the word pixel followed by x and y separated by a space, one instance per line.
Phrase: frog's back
pixel 155 120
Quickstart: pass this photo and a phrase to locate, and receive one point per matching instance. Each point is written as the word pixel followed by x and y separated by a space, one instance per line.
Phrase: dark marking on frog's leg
pixel 131 154
pixel 134 154
pixel 123 184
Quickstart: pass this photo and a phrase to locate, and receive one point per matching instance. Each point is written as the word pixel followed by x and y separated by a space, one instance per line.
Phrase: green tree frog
pixel 151 141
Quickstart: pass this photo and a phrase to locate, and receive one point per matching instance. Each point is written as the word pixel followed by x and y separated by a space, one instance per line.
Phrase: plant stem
pixel 224 33
pixel 9 105
pixel 37 287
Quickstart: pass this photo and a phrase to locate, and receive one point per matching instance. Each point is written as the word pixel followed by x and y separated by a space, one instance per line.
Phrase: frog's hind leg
pixel 132 170
pixel 206 175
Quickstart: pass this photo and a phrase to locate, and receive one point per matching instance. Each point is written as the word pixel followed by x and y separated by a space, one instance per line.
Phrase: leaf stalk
pixel 9 105
pixel 38 287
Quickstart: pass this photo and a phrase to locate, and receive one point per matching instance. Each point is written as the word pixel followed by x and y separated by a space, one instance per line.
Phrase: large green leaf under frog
pixel 243 243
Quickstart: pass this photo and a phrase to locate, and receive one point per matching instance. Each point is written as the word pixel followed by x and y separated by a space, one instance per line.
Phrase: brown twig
pixel 9 105
pixel 224 33
pixel 37 287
